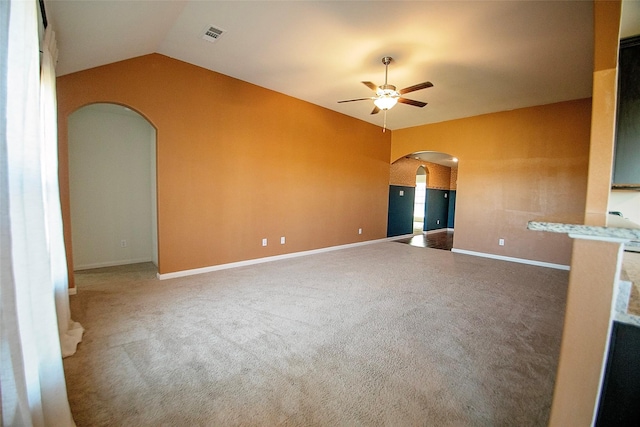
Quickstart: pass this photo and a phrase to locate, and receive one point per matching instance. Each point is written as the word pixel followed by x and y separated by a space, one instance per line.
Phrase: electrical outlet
pixel 501 242
pixel 123 243
pixel 282 240
pixel 264 242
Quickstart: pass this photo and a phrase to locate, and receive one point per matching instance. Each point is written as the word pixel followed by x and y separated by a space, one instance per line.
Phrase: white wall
pixel 627 202
pixel 112 187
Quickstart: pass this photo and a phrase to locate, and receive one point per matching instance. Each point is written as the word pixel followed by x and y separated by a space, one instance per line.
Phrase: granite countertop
pixel 611 226
pixel 627 304
pixel 627 300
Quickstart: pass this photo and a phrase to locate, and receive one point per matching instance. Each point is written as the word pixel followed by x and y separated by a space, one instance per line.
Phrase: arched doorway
pixel 431 216
pixel 112 187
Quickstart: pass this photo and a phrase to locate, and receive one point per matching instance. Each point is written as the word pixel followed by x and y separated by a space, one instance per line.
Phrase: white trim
pixel 111 263
pixel 394 238
pixel 248 262
pixel 512 259
pixel 439 230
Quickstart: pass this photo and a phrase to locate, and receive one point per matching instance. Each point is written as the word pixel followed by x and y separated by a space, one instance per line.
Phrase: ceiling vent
pixel 212 33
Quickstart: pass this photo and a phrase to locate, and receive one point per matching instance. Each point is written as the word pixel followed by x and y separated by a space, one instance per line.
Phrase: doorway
pixel 112 185
pixel 429 180
pixel 420 198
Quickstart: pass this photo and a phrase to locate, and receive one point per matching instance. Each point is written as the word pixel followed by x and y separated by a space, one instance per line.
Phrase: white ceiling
pixel 481 56
pixel 435 157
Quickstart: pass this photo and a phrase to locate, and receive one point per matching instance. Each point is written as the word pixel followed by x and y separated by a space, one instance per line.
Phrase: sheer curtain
pixel 32 278
pixel 70 331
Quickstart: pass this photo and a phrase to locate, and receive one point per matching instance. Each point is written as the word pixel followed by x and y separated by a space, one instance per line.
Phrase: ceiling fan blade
pixel 413 88
pixel 371 86
pixel 412 102
pixel 376 110
pixel 358 99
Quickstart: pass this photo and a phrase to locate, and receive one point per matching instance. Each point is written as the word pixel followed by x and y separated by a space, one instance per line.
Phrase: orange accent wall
pixel 606 29
pixel 605 90
pixel 237 163
pixel 515 166
pixel 403 172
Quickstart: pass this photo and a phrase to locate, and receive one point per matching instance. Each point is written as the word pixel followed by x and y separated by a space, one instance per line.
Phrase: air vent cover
pixel 212 33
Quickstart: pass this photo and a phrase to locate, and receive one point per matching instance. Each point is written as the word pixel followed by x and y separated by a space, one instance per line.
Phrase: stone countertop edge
pixel 621 307
pixel 617 228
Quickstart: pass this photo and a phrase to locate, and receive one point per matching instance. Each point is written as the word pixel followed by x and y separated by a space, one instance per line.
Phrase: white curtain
pixel 33 275
pixel 70 331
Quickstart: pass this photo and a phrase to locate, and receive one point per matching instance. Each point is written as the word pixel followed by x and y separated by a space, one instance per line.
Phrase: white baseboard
pixel 202 270
pixel 391 239
pixel 110 264
pixel 513 259
pixel 439 230
pixel 183 273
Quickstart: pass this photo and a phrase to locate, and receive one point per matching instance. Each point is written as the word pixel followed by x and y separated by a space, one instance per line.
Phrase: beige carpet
pixel 383 334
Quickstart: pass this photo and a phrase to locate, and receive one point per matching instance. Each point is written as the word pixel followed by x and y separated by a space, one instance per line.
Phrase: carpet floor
pixel 382 334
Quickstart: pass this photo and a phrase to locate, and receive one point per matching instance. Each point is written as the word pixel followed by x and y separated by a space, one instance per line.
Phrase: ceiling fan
pixel 387 96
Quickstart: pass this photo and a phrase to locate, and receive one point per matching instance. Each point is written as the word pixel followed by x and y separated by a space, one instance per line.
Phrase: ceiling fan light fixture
pixel 387 96
pixel 385 102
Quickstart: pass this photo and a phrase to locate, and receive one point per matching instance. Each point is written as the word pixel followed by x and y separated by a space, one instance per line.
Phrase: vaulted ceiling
pixel 481 56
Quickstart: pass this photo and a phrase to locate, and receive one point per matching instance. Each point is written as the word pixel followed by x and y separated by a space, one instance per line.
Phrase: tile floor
pixel 440 240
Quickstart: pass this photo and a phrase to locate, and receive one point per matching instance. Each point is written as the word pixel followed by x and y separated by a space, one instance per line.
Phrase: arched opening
pixel 112 187
pixel 429 180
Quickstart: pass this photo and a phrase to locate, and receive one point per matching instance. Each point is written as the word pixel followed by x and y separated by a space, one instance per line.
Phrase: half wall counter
pixel 596 284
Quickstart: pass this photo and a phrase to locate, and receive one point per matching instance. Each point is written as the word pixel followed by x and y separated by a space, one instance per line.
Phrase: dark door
pixel 452 209
pixel 400 218
pixel 437 209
